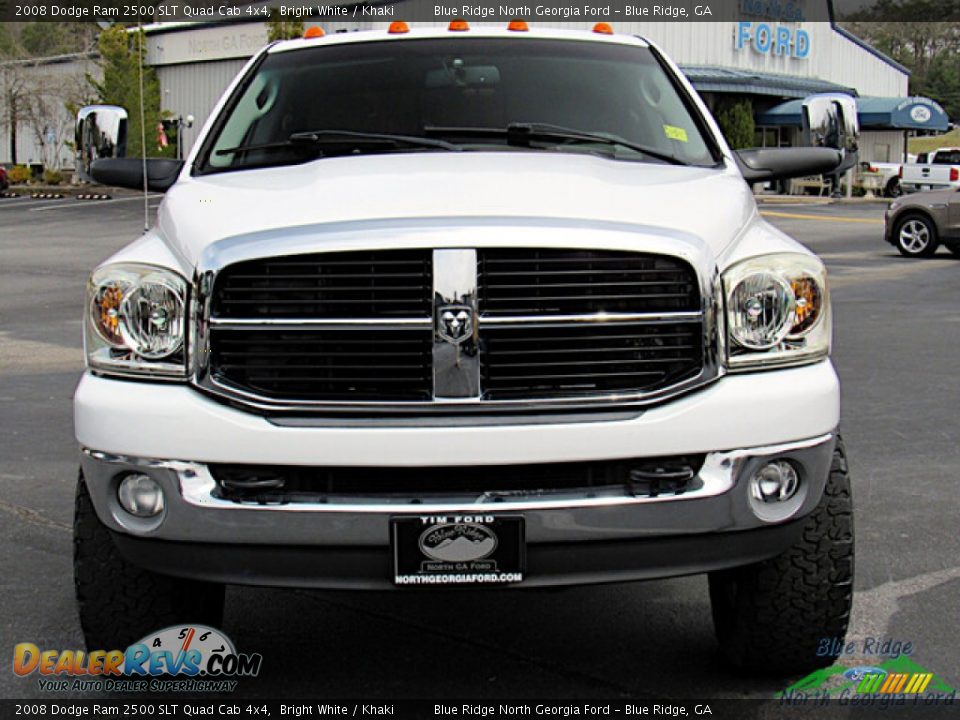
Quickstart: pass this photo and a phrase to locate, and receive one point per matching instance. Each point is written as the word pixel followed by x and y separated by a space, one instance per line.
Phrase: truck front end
pixel 425 310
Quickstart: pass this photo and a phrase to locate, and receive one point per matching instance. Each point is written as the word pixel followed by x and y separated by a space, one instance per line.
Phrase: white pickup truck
pixel 465 307
pixel 938 170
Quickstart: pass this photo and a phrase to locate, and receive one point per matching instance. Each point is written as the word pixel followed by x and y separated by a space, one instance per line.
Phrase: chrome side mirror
pixel 830 120
pixel 101 133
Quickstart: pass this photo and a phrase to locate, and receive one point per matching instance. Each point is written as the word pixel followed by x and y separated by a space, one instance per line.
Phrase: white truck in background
pixel 937 170
pixel 889 172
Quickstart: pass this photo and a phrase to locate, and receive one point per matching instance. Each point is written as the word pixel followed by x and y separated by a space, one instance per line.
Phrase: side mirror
pixel 101 132
pixel 766 164
pixel 830 120
pixel 128 173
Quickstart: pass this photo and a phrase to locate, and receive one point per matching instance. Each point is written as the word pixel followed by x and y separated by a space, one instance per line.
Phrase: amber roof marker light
pixel 603 28
pixel 398 27
pixel 518 25
pixel 313 32
pixel 458 26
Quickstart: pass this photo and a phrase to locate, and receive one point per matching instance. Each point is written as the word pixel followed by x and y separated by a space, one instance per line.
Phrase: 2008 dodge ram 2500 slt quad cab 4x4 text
pixel 487 308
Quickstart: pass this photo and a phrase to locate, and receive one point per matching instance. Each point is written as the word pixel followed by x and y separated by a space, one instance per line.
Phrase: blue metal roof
pixel 904 113
pixel 750 82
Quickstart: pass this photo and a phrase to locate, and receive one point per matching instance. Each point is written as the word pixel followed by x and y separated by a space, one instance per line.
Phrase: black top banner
pixel 147 11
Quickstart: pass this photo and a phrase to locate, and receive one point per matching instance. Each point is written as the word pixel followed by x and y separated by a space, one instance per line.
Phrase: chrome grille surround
pixel 431 235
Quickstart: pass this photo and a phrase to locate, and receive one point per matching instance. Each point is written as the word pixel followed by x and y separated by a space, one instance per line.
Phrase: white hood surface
pixel 711 204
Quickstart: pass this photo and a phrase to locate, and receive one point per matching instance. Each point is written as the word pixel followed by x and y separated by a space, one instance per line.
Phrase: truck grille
pixel 362 327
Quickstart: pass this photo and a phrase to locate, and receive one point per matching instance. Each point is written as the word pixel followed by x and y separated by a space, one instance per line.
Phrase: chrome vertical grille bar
pixel 456 356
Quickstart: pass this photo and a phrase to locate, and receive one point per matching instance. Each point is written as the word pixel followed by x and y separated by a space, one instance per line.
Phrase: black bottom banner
pixel 177 708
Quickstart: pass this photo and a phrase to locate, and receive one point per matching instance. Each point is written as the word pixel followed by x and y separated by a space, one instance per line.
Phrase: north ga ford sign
pixel 767 39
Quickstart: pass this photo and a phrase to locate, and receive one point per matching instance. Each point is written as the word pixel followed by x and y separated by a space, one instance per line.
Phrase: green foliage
pixel 736 122
pixel 121 56
pixel 44 39
pixel 52 177
pixel 19 174
pixel 942 82
pixel 930 49
pixel 932 142
pixel 9 42
pixel 278 29
pixel 40 39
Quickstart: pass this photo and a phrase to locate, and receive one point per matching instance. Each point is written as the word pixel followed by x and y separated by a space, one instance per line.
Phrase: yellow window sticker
pixel 675 133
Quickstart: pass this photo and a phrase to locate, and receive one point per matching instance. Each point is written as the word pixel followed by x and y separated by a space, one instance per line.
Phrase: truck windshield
pixel 462 94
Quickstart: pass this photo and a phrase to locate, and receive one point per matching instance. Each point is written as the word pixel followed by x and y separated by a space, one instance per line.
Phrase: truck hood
pixel 712 205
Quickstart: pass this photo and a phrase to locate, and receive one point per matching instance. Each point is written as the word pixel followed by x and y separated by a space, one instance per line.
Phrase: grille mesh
pixel 361 365
pixel 547 362
pixel 261 483
pixel 340 285
pixel 555 282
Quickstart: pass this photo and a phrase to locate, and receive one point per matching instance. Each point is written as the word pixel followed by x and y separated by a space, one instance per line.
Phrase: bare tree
pixel 49 107
pixel 13 91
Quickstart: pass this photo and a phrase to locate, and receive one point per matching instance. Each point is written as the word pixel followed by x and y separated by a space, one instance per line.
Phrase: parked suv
pixel 478 308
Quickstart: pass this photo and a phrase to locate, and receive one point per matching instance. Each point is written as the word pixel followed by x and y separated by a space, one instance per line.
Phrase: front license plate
pixel 458 549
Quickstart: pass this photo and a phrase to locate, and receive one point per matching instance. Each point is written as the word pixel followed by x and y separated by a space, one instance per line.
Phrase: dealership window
pixel 767 137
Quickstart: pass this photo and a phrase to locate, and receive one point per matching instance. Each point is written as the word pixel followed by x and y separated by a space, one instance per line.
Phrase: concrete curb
pixel 814 200
pixel 83 192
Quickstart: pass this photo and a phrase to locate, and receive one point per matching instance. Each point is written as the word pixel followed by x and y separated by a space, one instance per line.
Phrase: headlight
pixel 778 311
pixel 136 321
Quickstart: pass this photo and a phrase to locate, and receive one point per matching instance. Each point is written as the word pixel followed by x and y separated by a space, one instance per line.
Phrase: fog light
pixel 774 482
pixel 140 495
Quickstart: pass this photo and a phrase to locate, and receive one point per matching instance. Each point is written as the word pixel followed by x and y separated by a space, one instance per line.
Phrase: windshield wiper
pixel 523 133
pixel 320 137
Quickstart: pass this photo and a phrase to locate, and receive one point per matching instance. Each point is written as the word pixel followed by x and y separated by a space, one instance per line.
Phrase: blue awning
pixel 875 113
pixel 709 78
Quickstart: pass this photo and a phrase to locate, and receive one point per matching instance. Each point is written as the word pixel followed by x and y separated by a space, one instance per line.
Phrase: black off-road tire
pixel 119 603
pixel 893 189
pixel 770 617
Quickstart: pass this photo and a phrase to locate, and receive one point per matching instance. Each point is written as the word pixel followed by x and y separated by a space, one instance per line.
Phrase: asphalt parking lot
pixel 897 324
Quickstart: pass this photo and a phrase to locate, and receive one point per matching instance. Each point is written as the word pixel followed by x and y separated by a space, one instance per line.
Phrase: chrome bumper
pixel 194 513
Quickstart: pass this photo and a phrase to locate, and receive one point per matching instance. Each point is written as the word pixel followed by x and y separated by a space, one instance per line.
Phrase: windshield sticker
pixel 675 133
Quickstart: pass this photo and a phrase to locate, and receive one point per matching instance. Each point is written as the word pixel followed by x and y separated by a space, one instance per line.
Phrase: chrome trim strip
pixel 589 319
pixel 321 323
pixel 718 475
pixel 423 323
pixel 456 342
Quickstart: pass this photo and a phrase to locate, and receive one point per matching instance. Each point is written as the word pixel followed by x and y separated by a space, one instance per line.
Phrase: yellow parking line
pixel 833 218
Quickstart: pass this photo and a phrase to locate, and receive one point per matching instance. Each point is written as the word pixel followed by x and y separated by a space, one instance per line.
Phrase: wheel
pixel 118 602
pixel 893 189
pixel 770 617
pixel 916 236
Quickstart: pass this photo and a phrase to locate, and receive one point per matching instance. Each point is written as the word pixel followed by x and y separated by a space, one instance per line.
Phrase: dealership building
pixel 771 61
